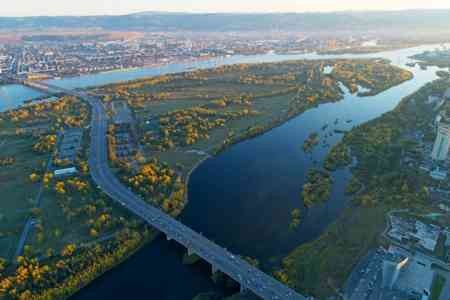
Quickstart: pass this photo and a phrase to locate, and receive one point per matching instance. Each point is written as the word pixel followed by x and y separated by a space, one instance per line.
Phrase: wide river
pixel 242 198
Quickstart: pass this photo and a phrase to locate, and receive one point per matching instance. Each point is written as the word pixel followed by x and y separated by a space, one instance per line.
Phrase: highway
pixel 249 277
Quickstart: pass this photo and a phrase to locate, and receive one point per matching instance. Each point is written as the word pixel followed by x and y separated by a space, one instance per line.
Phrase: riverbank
pixel 321 267
pixel 370 49
pixel 76 282
pixel 188 177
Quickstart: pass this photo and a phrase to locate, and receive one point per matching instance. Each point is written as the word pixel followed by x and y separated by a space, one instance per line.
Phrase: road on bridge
pixel 249 277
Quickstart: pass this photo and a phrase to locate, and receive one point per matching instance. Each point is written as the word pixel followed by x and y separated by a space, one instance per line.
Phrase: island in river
pixel 317 188
pixel 180 117
pixel 163 127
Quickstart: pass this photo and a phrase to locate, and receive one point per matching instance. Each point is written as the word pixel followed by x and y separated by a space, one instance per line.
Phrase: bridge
pixel 249 277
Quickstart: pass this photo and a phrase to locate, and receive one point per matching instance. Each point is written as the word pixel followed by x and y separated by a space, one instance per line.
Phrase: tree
pixel 68 250
pixel 93 232
pixel 34 177
pixel 2 265
pixel 60 187
pixel 27 250
pixel 49 252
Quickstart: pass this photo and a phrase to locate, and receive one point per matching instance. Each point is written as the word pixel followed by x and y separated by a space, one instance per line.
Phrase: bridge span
pixel 249 277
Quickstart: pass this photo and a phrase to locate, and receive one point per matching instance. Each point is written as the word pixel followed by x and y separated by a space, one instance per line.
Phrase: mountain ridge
pixel 181 21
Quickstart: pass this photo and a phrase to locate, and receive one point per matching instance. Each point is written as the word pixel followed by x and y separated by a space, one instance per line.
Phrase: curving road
pixel 248 276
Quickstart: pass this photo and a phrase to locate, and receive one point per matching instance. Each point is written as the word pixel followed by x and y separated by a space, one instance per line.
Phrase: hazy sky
pixel 91 7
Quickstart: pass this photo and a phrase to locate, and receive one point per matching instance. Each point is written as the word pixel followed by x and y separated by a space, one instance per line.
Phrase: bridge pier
pixel 214 269
pixel 190 251
pixel 243 289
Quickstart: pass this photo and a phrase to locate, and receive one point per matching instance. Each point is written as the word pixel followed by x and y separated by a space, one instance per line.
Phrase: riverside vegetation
pixel 380 183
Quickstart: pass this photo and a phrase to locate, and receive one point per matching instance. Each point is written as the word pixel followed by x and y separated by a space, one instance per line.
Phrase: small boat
pixel 340 131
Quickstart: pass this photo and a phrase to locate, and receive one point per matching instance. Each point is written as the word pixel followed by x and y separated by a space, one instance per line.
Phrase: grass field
pixel 437 286
pixel 56 225
pixel 269 109
pixel 62 226
pixel 7 244
pixel 213 90
pixel 181 160
pixel 18 192
pixel 163 107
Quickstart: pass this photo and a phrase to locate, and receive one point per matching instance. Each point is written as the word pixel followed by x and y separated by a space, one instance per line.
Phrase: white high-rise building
pixel 391 271
pixel 442 143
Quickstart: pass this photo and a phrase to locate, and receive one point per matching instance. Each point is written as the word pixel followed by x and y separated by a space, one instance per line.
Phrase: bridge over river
pixel 249 277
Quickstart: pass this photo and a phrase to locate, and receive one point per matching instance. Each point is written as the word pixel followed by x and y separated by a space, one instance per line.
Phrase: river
pixel 242 198
pixel 13 95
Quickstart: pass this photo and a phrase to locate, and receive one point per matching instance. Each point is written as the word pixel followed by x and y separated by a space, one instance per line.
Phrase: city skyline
pixel 109 7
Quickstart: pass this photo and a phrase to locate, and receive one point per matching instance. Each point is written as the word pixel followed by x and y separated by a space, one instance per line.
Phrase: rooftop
pixel 424 235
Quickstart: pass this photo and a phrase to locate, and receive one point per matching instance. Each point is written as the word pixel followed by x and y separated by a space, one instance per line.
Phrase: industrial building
pixel 423 236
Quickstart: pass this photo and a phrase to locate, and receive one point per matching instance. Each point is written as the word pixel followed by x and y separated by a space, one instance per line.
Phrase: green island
pixel 438 57
pixel 338 156
pixel 162 128
pixel 379 46
pixel 317 188
pixel 296 219
pixel 354 186
pixel 311 142
pixel 381 79
pixel 380 184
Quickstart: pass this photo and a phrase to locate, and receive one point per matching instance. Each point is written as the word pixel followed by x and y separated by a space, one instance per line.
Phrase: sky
pixel 113 7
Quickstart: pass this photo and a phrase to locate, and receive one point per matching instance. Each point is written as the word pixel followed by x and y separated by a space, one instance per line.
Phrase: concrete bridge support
pixel 190 251
pixel 243 289
pixel 214 269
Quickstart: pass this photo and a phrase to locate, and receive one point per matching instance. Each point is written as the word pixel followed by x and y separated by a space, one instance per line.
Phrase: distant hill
pixel 156 21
